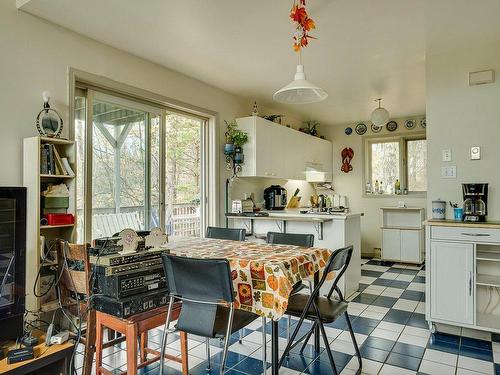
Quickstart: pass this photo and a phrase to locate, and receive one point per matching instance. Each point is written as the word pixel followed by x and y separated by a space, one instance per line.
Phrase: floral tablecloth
pixel 263 274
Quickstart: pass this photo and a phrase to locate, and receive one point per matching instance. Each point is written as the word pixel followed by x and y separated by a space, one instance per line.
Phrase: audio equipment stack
pixel 127 284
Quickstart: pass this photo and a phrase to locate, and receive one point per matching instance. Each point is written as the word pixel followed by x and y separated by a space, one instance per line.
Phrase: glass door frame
pixel 208 141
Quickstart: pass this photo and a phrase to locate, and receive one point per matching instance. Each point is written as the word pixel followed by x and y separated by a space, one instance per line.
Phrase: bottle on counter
pixel 368 189
pixel 377 187
pixel 381 188
pixel 397 187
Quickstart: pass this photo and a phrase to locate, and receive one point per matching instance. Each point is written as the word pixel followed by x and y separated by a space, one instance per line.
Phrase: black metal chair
pixel 206 290
pixel 322 309
pixel 296 239
pixel 226 233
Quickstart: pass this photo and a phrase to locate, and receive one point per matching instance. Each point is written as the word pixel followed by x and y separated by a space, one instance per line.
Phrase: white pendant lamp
pixel 300 90
pixel 380 116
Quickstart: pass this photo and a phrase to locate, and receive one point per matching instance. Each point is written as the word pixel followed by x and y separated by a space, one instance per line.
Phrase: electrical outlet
pixel 446 155
pixel 449 172
pixel 475 153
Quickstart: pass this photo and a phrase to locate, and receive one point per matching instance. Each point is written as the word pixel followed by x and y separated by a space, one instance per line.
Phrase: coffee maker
pixel 475 202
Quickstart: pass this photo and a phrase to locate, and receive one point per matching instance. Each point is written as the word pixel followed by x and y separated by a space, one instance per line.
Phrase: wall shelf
pixel 488 256
pixel 55 176
pixel 488 280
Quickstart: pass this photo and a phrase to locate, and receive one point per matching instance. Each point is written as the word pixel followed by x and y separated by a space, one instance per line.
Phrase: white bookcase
pixel 36 182
pixel 403 234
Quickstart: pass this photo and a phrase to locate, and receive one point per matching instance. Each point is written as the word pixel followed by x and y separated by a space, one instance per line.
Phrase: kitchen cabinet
pixel 276 151
pixel 403 234
pixel 462 273
pixel 452 273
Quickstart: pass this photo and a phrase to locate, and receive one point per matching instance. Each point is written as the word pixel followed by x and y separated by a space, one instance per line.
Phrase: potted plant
pixel 239 139
pixel 230 129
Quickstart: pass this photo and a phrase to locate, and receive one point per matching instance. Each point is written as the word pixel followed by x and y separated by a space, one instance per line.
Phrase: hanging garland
pixel 304 24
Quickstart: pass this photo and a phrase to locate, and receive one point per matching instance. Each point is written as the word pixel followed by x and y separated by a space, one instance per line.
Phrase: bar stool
pixel 136 328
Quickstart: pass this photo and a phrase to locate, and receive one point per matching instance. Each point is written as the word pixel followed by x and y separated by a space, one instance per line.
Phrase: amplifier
pixel 125 307
pixel 113 270
pixel 109 245
pixel 118 259
pixel 130 282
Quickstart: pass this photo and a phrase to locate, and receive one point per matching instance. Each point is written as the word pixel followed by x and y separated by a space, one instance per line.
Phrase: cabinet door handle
pixel 470 284
pixel 475 234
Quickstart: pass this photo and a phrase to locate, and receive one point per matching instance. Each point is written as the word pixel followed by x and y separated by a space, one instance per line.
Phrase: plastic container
pixel 60 219
pixel 458 213
pixel 438 210
pixel 55 202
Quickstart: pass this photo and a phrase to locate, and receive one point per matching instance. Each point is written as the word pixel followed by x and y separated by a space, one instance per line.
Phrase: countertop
pixel 295 215
pixel 454 223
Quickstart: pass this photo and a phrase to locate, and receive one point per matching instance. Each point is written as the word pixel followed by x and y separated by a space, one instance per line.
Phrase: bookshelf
pixel 35 181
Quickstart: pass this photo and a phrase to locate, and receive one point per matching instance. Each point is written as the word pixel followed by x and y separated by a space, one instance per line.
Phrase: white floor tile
pixel 414 331
pixel 440 357
pixel 385 334
pixel 476 365
pixel 393 370
pixel 389 275
pixel 462 371
pixel 369 366
pixel 342 346
pixel 245 348
pixel 420 308
pixel 413 340
pixel 434 368
pixel 332 333
pixel 388 326
pixel 452 330
pixel 372 315
pixel 374 267
pixel 379 309
pixel 367 279
pixel 200 351
pixel 496 347
pixel 392 292
pixel 404 277
pixel 416 286
pixel 346 336
pixel 406 305
pixel 476 334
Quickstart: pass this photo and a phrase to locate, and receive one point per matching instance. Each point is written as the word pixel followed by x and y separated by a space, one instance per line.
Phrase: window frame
pixel 402 139
pixel 79 80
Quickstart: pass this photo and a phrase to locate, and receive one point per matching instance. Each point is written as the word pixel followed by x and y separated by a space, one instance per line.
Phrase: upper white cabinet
pixel 276 151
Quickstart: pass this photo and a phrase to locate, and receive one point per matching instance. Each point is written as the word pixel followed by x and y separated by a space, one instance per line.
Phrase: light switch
pixel 446 155
pixel 449 172
pixel 475 153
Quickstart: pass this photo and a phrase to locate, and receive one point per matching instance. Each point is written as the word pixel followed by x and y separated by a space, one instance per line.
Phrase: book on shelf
pixel 51 162
pixel 67 167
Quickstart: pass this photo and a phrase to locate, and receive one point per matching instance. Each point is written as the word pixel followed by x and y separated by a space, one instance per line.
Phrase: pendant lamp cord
pixel 299 57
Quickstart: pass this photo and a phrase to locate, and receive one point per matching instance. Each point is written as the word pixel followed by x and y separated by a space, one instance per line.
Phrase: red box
pixel 60 219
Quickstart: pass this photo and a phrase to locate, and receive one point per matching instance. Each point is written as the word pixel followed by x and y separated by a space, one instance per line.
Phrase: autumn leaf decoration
pixel 304 24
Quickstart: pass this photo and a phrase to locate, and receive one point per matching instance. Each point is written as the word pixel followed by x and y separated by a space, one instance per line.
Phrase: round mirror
pixel 49 123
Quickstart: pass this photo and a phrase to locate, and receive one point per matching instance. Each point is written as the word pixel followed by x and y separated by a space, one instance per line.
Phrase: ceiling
pixel 365 49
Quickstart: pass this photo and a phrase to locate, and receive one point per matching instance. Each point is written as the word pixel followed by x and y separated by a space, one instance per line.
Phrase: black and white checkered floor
pixel 388 316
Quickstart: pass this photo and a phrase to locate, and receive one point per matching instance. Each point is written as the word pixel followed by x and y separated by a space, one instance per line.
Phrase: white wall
pixel 351 184
pixel 36 56
pixel 458 117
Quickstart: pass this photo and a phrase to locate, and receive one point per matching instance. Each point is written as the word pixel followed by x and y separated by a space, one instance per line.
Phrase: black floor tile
pixel 397 316
pixel 404 361
pixel 379 343
pixel 384 301
pixel 370 273
pixel 418 320
pixel 408 349
pixel 412 295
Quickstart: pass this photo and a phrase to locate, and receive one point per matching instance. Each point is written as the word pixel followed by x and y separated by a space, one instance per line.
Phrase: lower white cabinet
pixel 402 245
pixel 451 282
pixel 403 234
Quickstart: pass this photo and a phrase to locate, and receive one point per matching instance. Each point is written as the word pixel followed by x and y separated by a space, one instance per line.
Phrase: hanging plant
pixel 304 24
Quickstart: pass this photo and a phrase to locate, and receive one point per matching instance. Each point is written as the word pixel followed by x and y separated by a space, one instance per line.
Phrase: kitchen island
pixel 331 231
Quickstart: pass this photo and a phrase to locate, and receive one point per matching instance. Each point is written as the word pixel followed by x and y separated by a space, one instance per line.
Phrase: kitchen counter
pixel 454 223
pixel 295 215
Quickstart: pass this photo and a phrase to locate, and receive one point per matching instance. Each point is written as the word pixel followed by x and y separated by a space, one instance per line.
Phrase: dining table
pixel 263 275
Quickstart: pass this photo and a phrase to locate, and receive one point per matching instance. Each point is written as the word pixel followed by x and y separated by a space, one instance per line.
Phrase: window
pixel 139 166
pixel 388 159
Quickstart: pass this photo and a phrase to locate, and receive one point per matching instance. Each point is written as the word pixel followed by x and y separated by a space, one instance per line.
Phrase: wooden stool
pixel 134 328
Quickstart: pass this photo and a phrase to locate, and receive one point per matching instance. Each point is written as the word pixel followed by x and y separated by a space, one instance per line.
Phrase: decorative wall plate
pixel 361 128
pixel 423 123
pixel 129 240
pixel 391 126
pixel 410 124
pixel 376 129
pixel 348 130
pixel 156 239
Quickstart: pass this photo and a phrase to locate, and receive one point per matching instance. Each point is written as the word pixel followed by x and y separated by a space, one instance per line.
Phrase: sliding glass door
pixel 140 167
